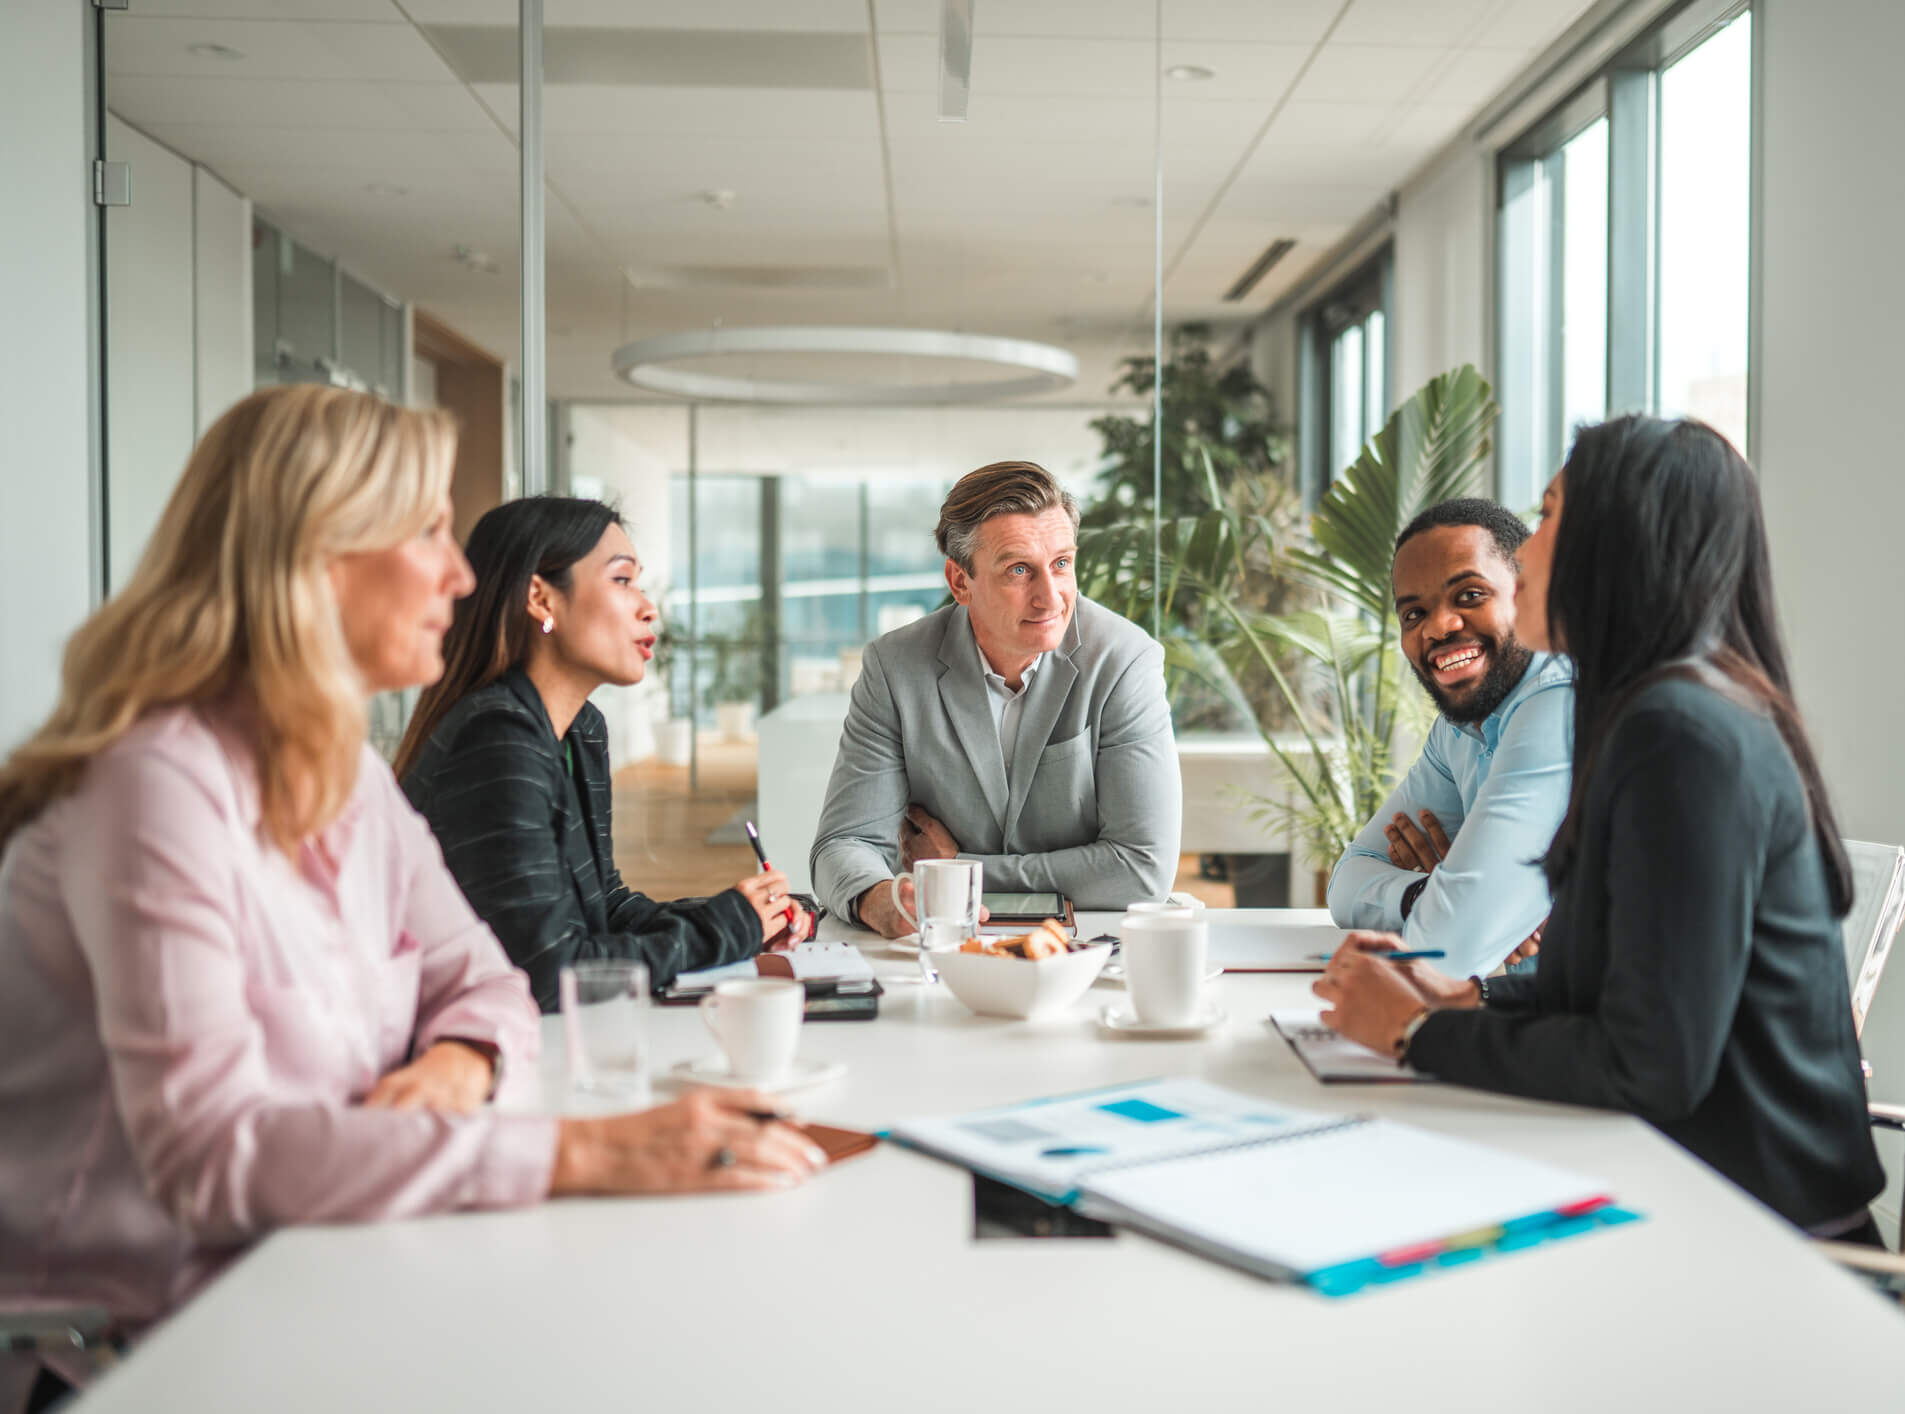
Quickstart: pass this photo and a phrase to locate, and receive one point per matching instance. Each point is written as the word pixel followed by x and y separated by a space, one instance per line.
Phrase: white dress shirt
pixel 1007 706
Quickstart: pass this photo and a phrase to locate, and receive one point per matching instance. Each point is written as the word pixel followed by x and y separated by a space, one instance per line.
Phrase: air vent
pixel 1260 267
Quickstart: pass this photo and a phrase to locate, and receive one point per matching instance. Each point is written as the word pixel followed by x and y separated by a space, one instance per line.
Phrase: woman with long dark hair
pixel 508 760
pixel 1692 971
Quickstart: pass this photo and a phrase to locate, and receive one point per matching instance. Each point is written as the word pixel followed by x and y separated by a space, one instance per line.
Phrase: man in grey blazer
pixel 1021 726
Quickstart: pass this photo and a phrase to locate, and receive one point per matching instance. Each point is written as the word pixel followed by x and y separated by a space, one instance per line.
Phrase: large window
pixel 1348 353
pixel 1623 239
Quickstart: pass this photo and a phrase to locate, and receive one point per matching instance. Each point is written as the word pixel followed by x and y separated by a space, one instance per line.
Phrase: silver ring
pixel 723 1158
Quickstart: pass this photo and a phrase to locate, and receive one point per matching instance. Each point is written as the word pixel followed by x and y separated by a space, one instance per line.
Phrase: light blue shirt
pixel 1500 788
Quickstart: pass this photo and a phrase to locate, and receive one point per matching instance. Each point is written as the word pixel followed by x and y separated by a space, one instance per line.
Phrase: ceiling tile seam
pixel 1223 190
pixel 886 161
pixel 1399 115
pixel 549 186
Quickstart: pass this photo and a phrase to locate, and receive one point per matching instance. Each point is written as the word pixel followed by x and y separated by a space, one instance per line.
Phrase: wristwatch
pixel 1413 1025
pixel 1481 988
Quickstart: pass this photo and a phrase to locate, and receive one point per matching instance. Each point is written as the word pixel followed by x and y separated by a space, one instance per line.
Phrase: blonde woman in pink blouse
pixel 241 989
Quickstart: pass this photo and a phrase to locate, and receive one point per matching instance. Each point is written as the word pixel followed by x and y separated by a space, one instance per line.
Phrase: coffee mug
pixel 757 1021
pixel 1164 956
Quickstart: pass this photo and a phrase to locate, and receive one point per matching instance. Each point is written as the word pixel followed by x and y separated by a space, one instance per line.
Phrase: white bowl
pixel 1015 987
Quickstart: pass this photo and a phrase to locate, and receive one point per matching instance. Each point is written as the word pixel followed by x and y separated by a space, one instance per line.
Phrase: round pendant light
pixel 1033 368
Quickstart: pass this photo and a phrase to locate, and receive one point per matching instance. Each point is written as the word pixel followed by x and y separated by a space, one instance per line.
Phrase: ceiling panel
pixel 1370 73
pixel 1430 23
pixel 1251 21
pixel 1033 218
pixel 378 10
pixel 331 105
pixel 692 112
pixel 136 44
pixel 842 16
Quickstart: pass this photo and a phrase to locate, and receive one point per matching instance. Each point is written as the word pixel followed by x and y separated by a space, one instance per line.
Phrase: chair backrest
pixel 1878 907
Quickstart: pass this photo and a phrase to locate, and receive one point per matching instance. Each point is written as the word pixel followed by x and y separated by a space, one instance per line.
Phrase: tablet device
pixel 1015 911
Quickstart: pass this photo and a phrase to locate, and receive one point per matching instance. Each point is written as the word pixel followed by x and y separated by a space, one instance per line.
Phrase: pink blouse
pixel 189 1020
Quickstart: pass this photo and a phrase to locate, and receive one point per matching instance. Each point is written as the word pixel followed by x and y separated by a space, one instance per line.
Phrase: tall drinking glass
pixel 946 893
pixel 605 1023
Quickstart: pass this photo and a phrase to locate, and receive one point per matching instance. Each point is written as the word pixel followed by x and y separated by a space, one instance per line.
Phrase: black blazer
pixel 1692 971
pixel 533 854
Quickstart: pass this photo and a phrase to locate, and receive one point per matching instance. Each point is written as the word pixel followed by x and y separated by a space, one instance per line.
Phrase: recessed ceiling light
pixel 386 189
pixel 720 198
pixel 214 51
pixel 1190 73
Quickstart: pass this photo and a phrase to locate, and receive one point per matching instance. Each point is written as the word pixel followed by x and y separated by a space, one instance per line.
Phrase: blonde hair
pixel 232 597
pixel 1003 488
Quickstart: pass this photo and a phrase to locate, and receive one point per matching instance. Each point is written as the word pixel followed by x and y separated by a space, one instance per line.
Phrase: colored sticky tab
pixel 1404 1256
pixel 1587 1205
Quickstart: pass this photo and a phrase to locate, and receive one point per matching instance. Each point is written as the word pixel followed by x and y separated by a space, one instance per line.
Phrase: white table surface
pixel 864 1289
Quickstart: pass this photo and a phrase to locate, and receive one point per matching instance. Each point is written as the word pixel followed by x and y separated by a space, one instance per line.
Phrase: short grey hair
pixel 1001 489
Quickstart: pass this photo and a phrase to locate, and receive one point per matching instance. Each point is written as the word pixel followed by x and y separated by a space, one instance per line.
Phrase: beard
pixel 1507 661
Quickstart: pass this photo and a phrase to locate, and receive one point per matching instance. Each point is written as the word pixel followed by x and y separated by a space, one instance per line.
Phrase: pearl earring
pixel 549 625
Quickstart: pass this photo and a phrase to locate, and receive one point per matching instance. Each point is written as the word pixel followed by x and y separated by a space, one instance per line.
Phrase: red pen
pixel 754 838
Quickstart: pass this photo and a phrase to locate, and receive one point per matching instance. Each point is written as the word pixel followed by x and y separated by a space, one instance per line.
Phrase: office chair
pixel 1878 907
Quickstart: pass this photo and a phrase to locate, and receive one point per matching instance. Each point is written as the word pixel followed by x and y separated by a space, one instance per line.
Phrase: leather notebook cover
pixel 838 1143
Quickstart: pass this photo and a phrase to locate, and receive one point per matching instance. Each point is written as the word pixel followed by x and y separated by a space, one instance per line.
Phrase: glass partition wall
pixel 328 190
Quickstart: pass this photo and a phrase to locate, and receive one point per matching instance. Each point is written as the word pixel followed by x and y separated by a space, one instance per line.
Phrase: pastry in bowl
pixel 1032 975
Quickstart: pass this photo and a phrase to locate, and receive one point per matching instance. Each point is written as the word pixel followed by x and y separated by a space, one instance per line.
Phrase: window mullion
pixel 1633 231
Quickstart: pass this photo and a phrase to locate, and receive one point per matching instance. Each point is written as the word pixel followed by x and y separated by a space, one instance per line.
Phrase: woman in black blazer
pixel 1692 970
pixel 508 760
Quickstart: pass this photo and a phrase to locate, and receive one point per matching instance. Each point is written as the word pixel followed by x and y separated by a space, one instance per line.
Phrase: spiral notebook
pixel 1335 1202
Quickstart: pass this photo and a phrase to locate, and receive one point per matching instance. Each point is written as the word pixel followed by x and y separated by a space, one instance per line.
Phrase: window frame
pixel 1368 290
pixel 1626 92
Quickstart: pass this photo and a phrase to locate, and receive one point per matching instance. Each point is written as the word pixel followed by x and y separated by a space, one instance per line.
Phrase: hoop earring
pixel 549 624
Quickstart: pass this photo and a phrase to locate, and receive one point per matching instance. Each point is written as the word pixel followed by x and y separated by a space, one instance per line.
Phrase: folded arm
pixel 1366 889
pixel 226 1147
pixel 1139 790
pixel 856 841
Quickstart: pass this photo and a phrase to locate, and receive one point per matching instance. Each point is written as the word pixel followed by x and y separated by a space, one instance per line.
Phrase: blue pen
pixel 1418 954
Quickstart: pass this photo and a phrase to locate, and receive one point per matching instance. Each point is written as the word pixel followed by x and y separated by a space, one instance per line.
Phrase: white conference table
pixel 864 1289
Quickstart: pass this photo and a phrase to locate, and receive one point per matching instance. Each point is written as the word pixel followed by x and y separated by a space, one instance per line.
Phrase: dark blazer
pixel 1692 971
pixel 532 851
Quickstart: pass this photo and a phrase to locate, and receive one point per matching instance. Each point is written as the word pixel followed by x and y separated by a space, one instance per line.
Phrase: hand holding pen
pixel 767 891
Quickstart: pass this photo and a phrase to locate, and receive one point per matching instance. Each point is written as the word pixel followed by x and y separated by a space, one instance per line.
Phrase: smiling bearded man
pixel 1451 860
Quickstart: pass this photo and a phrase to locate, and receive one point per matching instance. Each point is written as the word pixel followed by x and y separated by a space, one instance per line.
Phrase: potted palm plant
pixel 1339 682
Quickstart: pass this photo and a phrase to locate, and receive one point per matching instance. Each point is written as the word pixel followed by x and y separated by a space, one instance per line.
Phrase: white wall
pixel 45 493
pixel 1826 393
pixel 1442 280
pixel 179 329
pixel 151 405
pixel 221 295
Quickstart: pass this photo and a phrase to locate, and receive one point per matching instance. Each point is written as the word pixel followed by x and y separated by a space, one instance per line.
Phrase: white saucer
pixel 1125 1023
pixel 713 1070
pixel 1114 972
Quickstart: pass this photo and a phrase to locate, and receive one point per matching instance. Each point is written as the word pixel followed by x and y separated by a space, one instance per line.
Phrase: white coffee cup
pixel 1164 956
pixel 757 1021
pixel 1172 908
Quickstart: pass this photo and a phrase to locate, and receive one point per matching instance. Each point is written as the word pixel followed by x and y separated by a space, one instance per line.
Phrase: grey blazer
pixel 1096 800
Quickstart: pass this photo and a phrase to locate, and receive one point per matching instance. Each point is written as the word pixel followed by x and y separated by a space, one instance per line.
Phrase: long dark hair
pixel 538 535
pixel 1661 569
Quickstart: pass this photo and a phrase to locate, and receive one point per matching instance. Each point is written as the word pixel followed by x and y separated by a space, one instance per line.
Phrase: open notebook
pixel 1333 1058
pixel 1336 1202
